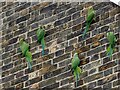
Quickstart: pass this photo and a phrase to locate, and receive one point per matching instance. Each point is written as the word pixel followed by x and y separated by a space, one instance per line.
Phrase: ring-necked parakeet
pixel 25 52
pixel 40 36
pixel 76 69
pixel 90 16
pixel 112 40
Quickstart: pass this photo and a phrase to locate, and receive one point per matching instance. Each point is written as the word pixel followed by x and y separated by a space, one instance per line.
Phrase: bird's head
pixel 75 54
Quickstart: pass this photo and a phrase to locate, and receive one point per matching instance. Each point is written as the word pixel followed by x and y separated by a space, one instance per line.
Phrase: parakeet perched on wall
pixel 40 36
pixel 90 16
pixel 112 40
pixel 25 52
pixel 76 69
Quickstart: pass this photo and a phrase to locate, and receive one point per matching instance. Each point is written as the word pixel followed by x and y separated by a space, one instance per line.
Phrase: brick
pixel 92 71
pixel 106 66
pixel 32 81
pixel 69 48
pixel 20 86
pixel 65 62
pixel 10 12
pixel 76 15
pixel 59 53
pixel 107 79
pixel 21 31
pixel 52 86
pixel 61 15
pixel 107 86
pixel 61 8
pixel 64 75
pixel 56 72
pixel 107 72
pixel 83 49
pixel 72 35
pixel 68 80
pixel 47 82
pixel 19 74
pixel 60 58
pixel 92 85
pixel 92 65
pixel 106 60
pixel 34 68
pixel 24 18
pixel 94 57
pixel 116 83
pixel 8 78
pixel 48 8
pixel 73 41
pixel 62 21
pixel 96 50
pixel 70 11
pixel 93 77
pixel 7 66
pixel 79 20
pixel 22 7
pixel 76 27
pixel 19 80
pixel 48 20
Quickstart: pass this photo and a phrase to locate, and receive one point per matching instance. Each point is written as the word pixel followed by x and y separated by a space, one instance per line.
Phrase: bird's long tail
pixel 43 46
pixel 30 65
pixel 110 51
pixel 86 28
pixel 76 79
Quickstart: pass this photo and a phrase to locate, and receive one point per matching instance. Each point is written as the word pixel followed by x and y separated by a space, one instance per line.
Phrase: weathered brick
pixel 106 66
pixel 8 78
pixel 107 79
pixel 69 48
pixel 62 21
pixel 60 58
pixel 48 8
pixel 32 81
pixel 59 53
pixel 56 72
pixel 19 80
pixel 96 50
pixel 22 7
pixel 70 11
pixel 68 80
pixel 116 83
pixel 62 8
pixel 52 86
pixel 24 18
pixel 76 15
pixel 107 86
pixel 7 66
pixel 93 77
pixel 92 85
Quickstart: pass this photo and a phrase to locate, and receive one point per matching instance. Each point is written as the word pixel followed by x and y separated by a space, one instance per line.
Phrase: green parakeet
pixel 40 36
pixel 90 16
pixel 76 69
pixel 112 40
pixel 25 51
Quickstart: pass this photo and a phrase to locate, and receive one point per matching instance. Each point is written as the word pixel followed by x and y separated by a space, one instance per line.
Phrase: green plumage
pixel 90 16
pixel 75 61
pixel 24 47
pixel 76 69
pixel 112 40
pixel 25 51
pixel 40 36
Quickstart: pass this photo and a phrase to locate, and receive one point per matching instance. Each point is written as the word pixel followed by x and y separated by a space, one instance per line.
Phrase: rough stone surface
pixel 64 24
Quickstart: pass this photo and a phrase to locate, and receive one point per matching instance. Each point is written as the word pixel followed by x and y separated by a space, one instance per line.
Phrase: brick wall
pixel 64 24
